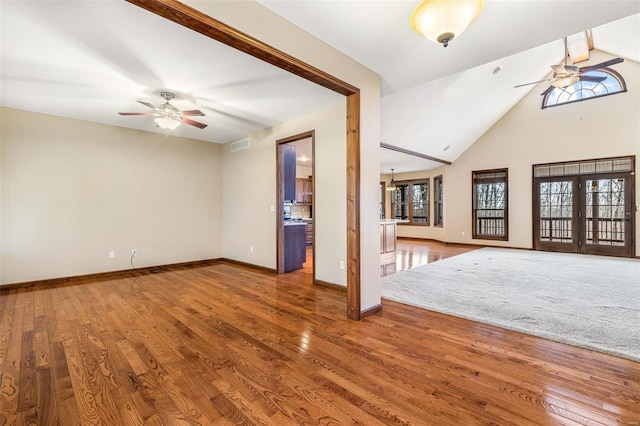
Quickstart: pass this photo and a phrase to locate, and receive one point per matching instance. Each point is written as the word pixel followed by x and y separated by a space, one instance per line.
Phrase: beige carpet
pixel 587 301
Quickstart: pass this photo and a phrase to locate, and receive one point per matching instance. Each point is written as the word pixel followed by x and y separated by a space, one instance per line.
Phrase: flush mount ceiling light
pixel 442 20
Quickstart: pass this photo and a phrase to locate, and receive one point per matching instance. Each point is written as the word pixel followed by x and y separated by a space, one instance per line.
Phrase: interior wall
pixel 73 190
pixel 527 135
pixel 303 172
pixel 250 197
pixel 254 19
pixel 1 209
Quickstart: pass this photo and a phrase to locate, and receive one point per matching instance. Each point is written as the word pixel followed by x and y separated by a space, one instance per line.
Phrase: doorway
pixel 585 207
pixel 296 215
pixel 228 35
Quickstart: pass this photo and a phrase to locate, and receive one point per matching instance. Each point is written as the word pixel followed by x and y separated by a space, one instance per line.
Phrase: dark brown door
pixel 606 225
pixel 584 214
pixel 555 214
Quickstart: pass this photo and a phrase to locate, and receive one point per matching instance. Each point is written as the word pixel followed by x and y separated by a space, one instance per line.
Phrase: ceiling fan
pixel 167 116
pixel 568 75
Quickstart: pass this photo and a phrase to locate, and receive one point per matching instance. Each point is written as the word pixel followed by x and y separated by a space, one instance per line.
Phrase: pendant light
pixel 392 184
pixel 442 20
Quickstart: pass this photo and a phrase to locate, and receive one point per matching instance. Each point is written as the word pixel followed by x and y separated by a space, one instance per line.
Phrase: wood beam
pixel 353 207
pixel 193 19
pixel 414 153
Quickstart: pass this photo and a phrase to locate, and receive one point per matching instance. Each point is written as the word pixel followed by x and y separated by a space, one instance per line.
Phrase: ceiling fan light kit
pixel 442 20
pixel 168 117
pixel 567 75
pixel 167 123
pixel 171 116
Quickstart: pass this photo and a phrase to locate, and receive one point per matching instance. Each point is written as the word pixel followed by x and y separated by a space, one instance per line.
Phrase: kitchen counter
pixel 307 222
pixel 295 253
pixel 388 236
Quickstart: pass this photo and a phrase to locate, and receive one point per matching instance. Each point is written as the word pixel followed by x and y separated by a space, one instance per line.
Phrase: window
pixel 612 83
pixel 490 202
pixel 410 202
pixel 437 201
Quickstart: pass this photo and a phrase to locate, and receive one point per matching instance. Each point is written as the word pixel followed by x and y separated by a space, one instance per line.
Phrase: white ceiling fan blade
pixel 533 82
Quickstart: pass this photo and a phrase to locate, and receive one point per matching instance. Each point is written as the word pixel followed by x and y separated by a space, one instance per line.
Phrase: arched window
pixel 613 83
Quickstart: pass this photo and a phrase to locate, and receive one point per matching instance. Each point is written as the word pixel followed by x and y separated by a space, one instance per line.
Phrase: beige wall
pixel 1 204
pixel 303 172
pixel 74 190
pixel 256 20
pixel 527 135
pixel 250 191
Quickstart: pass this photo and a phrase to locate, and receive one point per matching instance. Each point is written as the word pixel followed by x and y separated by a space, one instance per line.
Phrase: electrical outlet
pixel 251 248
pixel 134 252
pixel 112 254
pixel 462 233
pixel 342 264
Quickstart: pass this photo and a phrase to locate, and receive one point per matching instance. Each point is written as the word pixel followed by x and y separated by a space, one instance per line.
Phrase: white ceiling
pixel 434 97
pixel 92 59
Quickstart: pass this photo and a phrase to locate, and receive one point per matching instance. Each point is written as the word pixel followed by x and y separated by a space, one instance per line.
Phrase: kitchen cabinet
pixel 289 171
pixel 295 251
pixel 388 237
pixel 308 231
pixel 304 191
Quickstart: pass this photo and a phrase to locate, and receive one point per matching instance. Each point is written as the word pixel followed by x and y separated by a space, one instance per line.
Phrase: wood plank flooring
pixel 225 344
pixel 413 252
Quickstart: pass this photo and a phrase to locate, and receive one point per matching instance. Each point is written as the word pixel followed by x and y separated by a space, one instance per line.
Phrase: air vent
pixel 237 146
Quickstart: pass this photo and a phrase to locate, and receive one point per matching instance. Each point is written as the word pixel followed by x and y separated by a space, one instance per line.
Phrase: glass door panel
pixel 607 215
pixel 555 214
pixel 586 207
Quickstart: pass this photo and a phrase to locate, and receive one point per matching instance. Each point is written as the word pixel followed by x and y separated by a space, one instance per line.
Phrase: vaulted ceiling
pixel 91 60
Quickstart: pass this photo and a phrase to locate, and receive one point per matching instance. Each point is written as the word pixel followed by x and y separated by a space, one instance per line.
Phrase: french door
pixel 588 213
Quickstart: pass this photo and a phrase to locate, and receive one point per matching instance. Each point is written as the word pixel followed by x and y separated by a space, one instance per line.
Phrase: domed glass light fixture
pixel 167 123
pixel 442 20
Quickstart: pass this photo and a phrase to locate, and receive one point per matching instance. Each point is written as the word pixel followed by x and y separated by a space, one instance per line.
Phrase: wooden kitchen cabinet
pixel 289 172
pixel 295 252
pixel 300 190
pixel 304 191
pixel 308 232
pixel 308 190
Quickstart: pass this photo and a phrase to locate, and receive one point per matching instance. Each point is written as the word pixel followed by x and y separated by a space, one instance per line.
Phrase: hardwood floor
pixel 412 252
pixel 225 344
